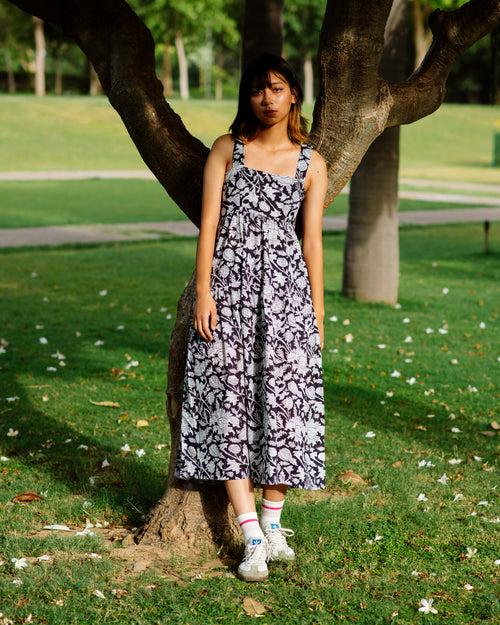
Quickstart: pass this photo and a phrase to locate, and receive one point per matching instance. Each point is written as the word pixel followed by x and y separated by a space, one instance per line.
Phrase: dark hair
pixel 245 123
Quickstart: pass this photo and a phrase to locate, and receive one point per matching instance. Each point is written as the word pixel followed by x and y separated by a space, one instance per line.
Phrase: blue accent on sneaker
pixel 256 541
pixel 275 525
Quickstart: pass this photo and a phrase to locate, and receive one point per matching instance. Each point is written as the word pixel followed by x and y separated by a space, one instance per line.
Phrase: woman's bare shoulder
pixel 317 160
pixel 318 164
pixel 223 144
pixel 317 170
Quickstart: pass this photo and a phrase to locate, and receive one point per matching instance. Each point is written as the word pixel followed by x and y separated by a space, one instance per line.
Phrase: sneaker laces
pixel 257 551
pixel 276 539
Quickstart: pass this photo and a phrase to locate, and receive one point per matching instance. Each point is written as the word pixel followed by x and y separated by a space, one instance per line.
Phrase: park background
pixel 410 511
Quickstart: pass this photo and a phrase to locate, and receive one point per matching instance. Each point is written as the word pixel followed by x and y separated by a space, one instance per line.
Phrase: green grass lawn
pixel 51 203
pixel 79 132
pixel 73 132
pixel 125 296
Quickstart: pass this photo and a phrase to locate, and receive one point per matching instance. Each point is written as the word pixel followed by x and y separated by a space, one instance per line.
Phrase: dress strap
pixel 304 159
pixel 238 152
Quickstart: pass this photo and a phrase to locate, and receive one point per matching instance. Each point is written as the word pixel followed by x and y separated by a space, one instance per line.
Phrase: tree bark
pixel 40 53
pixel 371 252
pixel 183 66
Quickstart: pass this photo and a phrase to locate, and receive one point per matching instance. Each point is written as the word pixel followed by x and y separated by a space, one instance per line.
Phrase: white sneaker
pixel 276 540
pixel 253 567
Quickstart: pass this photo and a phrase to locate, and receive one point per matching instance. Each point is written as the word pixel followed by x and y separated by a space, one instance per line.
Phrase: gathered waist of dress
pixel 254 215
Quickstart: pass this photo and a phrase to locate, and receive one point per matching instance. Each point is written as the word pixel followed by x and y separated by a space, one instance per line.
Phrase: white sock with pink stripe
pixel 271 511
pixel 249 523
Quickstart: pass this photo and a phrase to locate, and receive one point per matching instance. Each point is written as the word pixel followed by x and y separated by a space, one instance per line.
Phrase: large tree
pixel 371 252
pixel 355 105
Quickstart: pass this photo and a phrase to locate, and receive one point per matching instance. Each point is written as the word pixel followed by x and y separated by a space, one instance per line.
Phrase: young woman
pixel 253 406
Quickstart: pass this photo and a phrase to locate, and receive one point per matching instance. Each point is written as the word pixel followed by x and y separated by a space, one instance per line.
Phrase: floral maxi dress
pixel 253 403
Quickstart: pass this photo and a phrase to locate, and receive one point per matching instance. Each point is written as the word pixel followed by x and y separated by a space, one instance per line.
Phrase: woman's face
pixel 271 103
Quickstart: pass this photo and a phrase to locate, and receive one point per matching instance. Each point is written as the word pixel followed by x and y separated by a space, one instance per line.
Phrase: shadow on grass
pixel 362 405
pixel 130 486
pixel 140 277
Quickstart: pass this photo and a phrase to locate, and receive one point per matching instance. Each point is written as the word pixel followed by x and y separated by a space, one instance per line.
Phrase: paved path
pixel 100 233
pixel 423 196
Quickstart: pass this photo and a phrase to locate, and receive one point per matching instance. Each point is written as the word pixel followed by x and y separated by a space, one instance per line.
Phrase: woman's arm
pixel 205 316
pixel 213 179
pixel 312 240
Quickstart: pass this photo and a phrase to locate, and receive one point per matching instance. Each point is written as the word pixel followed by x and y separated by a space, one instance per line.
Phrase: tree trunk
pixel 95 87
pixel 40 53
pixel 218 88
pixel 371 253
pixel 58 84
pixel 207 64
pixel 263 29
pixel 371 256
pixel 189 517
pixel 495 66
pixel 308 79
pixel 422 35
pixel 219 73
pixel 183 66
pixel 11 78
pixel 167 78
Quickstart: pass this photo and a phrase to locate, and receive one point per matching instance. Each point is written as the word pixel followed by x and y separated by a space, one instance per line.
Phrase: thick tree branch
pixel 353 104
pixel 453 33
pixel 121 49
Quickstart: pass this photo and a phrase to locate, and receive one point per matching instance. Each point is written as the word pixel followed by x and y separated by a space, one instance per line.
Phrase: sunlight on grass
pixel 365 552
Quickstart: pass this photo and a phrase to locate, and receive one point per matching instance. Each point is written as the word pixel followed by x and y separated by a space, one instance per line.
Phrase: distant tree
pixel 58 47
pixel 371 251
pixel 16 35
pixel 302 25
pixel 495 66
pixel 177 24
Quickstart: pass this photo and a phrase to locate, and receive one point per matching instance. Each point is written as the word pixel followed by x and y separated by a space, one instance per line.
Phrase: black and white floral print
pixel 253 402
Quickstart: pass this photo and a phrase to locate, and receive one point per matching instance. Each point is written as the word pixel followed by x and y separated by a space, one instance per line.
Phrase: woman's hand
pixel 205 315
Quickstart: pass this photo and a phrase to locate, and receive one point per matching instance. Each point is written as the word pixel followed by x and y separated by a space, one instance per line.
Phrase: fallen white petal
pixel 426 606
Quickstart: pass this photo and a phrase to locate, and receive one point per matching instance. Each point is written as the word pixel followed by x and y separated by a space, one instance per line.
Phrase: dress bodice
pixel 261 194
